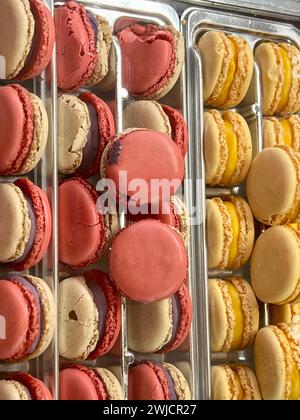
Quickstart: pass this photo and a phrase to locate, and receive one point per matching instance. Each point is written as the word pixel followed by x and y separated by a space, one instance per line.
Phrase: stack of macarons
pixel 23 130
pixel 27 39
pixel 27 306
pixel 227 68
pixel 23 387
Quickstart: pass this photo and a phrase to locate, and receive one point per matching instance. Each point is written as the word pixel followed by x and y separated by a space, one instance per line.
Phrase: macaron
pixel 277 363
pixel 227 148
pixel 82 383
pixel 27 306
pixel 83 230
pixel 234 314
pixel 157 381
pixel 275 266
pixel 288 314
pixel 89 316
pixel 148 261
pixel 27 39
pixel 279 64
pixel 284 131
pixel 173 213
pixel 152 58
pixel 25 223
pixel 230 232
pixel 23 130
pixel 85 126
pixel 131 159
pixel 273 186
pixel 83 43
pixel 158 117
pixel 227 68
pixel 234 382
pixel 160 326
pixel 23 387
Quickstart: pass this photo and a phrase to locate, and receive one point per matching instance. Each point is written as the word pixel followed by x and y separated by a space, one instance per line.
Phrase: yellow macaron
pixel 284 131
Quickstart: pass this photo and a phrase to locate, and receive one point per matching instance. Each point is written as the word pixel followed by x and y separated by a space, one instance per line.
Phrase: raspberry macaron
pixel 83 230
pixel 23 387
pixel 85 126
pixel 158 117
pixel 23 130
pixel 160 326
pixel 85 384
pixel 27 39
pixel 27 308
pixel 89 316
pixel 152 59
pixel 83 45
pixel 25 222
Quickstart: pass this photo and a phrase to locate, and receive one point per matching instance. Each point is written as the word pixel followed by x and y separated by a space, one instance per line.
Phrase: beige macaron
pixel 234 383
pixel 275 266
pixel 227 68
pixel 234 314
pixel 280 67
pixel 273 186
pixel 284 131
pixel 287 313
pixel 227 148
pixel 73 128
pixel 230 232
pixel 13 391
pixel 277 363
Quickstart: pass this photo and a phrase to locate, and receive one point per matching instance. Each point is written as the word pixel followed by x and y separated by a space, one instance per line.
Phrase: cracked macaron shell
pixel 151 328
pixel 273 186
pixel 79 317
pixel 82 228
pixel 217 53
pixel 216 149
pixel 220 233
pixel 223 314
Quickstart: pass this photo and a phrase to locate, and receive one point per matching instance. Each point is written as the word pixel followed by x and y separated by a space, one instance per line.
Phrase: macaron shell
pixel 221 384
pixel 73 128
pixel 293 104
pixel 147 114
pixel 273 186
pixel 78 319
pixel 43 221
pixel 151 244
pixel 272 132
pixel 220 323
pixel 144 383
pixel 43 41
pixel 294 121
pixel 40 135
pixel 182 218
pixel 16 127
pixel 215 147
pixel 48 315
pixel 107 84
pixel 144 144
pixel 15 310
pixel 249 383
pixel 38 390
pixel 81 227
pixel 179 128
pixel 76 49
pixel 281 313
pixel 182 388
pixel 270 61
pixel 272 357
pixel 111 384
pixel 17 23
pixel 12 391
pixel 15 223
pixel 267 273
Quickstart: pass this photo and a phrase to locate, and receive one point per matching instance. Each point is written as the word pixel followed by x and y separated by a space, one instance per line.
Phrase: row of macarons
pixel 148 380
pixel 85 56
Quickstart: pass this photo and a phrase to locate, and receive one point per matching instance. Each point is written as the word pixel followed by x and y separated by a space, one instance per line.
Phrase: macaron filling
pixel 101 304
pixel 239 321
pixel 90 150
pixel 21 280
pixel 288 135
pixel 221 99
pixel 287 80
pixel 235 228
pixel 94 25
pixel 232 147
pixel 170 382
pixel 148 58
pixel 31 240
